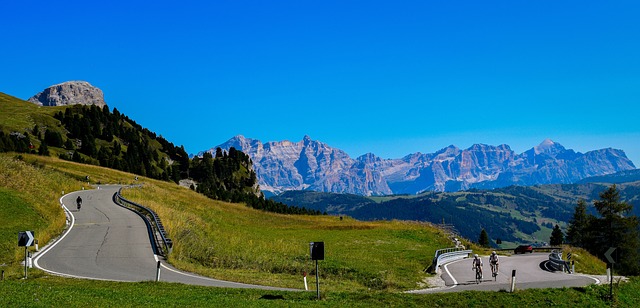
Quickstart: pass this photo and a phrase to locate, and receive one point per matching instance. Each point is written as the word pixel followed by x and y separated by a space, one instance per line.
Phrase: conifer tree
pixel 618 229
pixel 578 225
pixel 483 240
pixel 557 238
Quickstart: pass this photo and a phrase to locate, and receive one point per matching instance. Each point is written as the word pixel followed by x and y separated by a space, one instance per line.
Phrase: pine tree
pixel 483 240
pixel 557 238
pixel 579 225
pixel 616 229
pixel 43 149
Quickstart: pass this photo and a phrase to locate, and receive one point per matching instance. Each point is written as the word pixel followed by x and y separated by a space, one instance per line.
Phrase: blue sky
pixel 391 78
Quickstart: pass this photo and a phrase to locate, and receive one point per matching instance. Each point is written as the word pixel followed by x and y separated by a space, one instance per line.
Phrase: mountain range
pixel 313 165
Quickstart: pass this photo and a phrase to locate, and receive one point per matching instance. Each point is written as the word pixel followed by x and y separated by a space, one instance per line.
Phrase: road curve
pixel 107 242
pixel 531 272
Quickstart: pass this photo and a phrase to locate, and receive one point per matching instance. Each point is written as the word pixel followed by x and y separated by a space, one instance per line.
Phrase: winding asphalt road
pixel 531 272
pixel 107 242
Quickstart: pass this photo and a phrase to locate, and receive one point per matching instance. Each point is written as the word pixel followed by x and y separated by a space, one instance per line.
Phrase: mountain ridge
pixel 313 165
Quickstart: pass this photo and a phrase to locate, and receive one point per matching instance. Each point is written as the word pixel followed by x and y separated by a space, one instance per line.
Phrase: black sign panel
pixel 25 238
pixel 317 250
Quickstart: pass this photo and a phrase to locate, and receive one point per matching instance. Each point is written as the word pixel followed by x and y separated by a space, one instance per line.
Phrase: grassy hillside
pixel 19 116
pixel 29 196
pixel 235 242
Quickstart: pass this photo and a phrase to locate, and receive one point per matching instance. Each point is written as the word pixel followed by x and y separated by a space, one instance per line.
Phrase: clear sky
pixel 387 77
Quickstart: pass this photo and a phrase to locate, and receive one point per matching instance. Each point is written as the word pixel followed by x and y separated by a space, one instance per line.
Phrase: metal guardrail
pixel 446 255
pixel 556 262
pixel 536 249
pixel 162 242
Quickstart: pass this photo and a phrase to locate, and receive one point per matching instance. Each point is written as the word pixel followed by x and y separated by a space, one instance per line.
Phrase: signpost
pixel 317 253
pixel 611 262
pixel 26 239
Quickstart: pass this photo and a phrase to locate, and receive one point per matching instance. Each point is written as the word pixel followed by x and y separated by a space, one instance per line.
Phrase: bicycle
pixel 494 271
pixel 79 202
pixel 478 274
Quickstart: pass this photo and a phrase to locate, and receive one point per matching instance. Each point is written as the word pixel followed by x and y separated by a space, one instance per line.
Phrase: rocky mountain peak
pixel 70 93
pixel 548 147
pixel 369 158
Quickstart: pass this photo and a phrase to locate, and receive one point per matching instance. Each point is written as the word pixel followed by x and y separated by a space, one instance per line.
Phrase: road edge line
pixel 56 241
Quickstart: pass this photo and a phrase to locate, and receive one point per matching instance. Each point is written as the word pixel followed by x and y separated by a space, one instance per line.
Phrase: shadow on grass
pixel 271 297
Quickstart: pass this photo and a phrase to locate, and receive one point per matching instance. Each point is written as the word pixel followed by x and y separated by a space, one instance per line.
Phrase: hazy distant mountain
pixel 313 165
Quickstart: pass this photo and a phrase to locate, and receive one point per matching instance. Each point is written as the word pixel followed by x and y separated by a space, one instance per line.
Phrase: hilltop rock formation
pixel 70 93
pixel 313 165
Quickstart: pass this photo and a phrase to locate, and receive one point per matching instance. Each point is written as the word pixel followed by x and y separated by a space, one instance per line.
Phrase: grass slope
pixel 62 292
pixel 18 115
pixel 29 196
pixel 232 241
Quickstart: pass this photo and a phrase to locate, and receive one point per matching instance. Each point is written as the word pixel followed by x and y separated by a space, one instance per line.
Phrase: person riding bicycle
pixel 493 260
pixel 79 202
pixel 477 264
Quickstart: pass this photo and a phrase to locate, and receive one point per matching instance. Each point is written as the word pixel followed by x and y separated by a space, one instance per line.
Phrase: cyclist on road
pixel 493 260
pixel 477 263
pixel 79 202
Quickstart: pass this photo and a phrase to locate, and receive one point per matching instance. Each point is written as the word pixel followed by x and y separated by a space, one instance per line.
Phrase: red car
pixel 523 249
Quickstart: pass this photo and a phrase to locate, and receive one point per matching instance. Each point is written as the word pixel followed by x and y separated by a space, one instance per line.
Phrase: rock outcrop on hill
pixel 70 93
pixel 313 165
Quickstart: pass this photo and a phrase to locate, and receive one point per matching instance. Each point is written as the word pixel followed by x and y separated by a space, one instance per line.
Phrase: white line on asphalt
pixel 446 269
pixel 73 219
pixel 49 247
pixel 193 276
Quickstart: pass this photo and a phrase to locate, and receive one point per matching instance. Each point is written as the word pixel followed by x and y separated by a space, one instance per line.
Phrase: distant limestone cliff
pixel 70 93
pixel 313 165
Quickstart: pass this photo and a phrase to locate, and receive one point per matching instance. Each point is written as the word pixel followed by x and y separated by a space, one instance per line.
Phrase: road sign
pixel 25 238
pixel 317 250
pixel 569 256
pixel 608 255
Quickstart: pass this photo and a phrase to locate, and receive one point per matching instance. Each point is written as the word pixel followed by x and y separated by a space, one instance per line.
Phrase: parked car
pixel 523 249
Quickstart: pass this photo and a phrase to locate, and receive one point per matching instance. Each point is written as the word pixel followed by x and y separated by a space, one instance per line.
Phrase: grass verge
pixel 47 291
pixel 29 195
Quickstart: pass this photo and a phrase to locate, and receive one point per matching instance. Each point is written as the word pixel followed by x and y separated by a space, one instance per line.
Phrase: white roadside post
pixel 306 286
pixel 513 281
pixel 158 272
